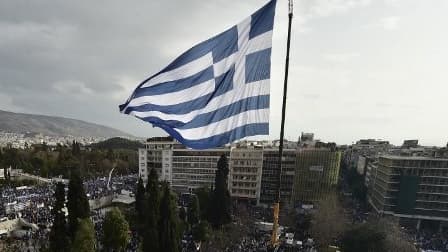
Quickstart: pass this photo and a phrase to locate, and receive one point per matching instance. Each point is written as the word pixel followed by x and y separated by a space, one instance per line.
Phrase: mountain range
pixel 54 126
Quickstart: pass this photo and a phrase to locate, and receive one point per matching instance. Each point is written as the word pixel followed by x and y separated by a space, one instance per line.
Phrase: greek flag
pixel 216 92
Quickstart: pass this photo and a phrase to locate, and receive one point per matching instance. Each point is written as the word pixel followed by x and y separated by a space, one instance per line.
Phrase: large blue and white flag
pixel 216 92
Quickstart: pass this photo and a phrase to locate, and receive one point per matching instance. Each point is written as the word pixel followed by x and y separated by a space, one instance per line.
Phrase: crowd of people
pixel 33 204
pixel 428 240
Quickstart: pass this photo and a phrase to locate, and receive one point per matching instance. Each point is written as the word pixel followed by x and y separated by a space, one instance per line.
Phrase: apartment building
pixel 316 174
pixel 192 169
pixel 410 187
pixel 270 175
pixel 246 164
pixel 157 155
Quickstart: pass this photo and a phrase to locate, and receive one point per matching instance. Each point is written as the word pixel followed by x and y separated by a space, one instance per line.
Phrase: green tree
pixel 84 240
pixel 201 232
pixel 77 203
pixel 151 237
pixel 76 149
pixel 59 240
pixel 168 224
pixel 116 228
pixel 203 194
pixel 140 205
pixel 364 237
pixel 193 211
pixel 220 203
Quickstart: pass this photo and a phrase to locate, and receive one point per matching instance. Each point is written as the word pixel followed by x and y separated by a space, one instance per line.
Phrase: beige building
pixel 246 164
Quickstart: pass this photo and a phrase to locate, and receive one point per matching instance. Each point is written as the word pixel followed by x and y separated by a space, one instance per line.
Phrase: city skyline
pixel 345 83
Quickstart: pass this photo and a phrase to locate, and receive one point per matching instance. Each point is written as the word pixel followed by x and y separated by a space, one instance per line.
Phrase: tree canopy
pixel 84 240
pixel 116 231
pixel 220 204
pixel 77 203
pixel 59 240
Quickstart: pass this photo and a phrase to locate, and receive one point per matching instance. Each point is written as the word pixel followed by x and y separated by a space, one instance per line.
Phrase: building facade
pixel 246 165
pixel 192 169
pixel 316 174
pixel 270 175
pixel 157 154
pixel 410 187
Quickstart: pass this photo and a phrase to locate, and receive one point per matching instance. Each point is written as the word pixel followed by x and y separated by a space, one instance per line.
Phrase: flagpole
pixel 276 206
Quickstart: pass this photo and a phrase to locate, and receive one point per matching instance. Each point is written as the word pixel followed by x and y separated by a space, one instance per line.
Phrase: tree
pixel 220 202
pixel 76 149
pixel 201 232
pixel 193 211
pixel 77 203
pixel 140 204
pixel 116 228
pixel 168 224
pixel 84 240
pixel 329 221
pixel 203 195
pixel 364 237
pixel 58 235
pixel 151 237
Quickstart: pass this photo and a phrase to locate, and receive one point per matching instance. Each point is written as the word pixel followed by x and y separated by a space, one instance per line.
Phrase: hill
pixel 54 126
pixel 118 143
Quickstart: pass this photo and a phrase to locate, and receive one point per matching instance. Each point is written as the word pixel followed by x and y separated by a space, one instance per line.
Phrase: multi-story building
pixel 410 187
pixel 246 164
pixel 192 169
pixel 316 174
pixel 157 155
pixel 270 175
pixel 184 169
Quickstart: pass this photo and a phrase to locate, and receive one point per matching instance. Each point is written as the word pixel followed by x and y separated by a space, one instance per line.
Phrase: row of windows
pixel 196 159
pixel 194 171
pixel 195 165
pixel 416 163
pixel 244 191
pixel 248 178
pixel 244 184
pixel 193 176
pixel 237 154
pixel 247 162
pixel 244 170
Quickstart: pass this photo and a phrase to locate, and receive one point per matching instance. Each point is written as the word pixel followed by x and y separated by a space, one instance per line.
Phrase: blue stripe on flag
pixel 262 20
pixel 177 109
pixel 177 85
pixel 226 44
pixel 258 65
pixel 221 139
pixel 251 103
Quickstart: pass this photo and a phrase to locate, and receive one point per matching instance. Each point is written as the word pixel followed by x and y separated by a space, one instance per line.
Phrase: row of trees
pixel 61 160
pixel 157 219
pixel 78 233
pixel 160 225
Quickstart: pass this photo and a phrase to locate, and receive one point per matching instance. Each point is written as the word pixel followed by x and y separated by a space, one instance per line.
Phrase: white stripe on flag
pixel 228 124
pixel 260 42
pixel 176 97
pixel 183 71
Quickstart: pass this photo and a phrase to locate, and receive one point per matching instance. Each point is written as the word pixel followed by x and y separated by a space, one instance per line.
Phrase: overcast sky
pixel 359 68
